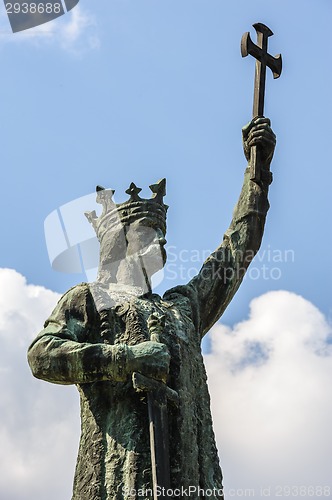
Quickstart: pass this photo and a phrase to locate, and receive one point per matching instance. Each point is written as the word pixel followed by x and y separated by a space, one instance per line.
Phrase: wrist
pixel 266 175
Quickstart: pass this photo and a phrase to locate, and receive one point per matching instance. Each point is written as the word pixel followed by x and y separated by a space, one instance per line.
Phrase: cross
pixel 263 60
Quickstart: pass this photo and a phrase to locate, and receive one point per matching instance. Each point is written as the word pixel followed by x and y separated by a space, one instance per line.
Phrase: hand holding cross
pixel 263 59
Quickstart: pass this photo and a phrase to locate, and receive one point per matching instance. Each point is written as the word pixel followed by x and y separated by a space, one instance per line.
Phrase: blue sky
pixel 150 89
pixel 137 90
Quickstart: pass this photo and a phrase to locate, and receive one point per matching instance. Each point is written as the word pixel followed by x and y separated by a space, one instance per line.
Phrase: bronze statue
pixel 98 336
pixel 136 358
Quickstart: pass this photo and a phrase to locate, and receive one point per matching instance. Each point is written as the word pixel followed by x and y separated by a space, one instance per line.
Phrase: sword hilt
pixel 156 325
pixel 155 337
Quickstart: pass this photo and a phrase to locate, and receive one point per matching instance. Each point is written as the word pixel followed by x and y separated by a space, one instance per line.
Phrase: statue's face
pixel 141 245
pixel 146 242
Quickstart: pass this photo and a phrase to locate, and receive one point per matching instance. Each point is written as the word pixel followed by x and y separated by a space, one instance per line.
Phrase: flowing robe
pixel 82 343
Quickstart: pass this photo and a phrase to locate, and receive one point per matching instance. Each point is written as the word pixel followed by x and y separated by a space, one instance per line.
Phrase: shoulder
pixel 178 293
pixel 184 297
pixel 77 293
pixel 78 298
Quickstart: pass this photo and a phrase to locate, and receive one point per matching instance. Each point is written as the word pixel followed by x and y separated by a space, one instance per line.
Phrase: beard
pixel 153 258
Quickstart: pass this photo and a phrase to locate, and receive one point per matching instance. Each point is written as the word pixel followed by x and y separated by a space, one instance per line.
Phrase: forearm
pixel 68 362
pixel 244 236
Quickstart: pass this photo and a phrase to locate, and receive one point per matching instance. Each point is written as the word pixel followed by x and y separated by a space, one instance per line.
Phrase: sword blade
pixel 158 394
pixel 159 444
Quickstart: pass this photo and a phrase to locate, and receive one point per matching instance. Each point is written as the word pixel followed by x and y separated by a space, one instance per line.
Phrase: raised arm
pixel 65 351
pixel 222 273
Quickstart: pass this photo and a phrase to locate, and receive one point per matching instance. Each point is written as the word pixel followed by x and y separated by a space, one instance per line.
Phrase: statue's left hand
pixel 259 133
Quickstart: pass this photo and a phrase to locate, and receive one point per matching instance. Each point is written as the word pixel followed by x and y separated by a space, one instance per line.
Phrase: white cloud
pixel 269 379
pixel 80 33
pixel 39 424
pixel 75 32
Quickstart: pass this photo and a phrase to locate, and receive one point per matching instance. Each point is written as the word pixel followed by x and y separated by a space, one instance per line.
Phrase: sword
pixel 158 395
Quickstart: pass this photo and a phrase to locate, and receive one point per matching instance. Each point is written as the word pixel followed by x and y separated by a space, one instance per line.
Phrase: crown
pixel 115 216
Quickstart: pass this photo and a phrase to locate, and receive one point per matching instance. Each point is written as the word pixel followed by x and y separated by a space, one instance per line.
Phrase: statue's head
pixel 131 234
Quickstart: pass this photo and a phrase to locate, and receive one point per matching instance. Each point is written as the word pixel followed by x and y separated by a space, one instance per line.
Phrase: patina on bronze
pixel 263 60
pixel 133 353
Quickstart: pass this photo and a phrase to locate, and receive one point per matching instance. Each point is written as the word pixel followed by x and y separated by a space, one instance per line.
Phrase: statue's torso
pixel 114 455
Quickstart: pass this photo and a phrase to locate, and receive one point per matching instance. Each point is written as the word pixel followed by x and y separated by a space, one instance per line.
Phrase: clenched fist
pixel 150 359
pixel 259 133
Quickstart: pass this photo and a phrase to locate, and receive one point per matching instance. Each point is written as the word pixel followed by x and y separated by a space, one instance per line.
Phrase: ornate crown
pixel 122 214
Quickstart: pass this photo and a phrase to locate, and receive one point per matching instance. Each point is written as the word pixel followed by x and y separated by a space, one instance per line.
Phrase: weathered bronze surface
pixel 127 348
